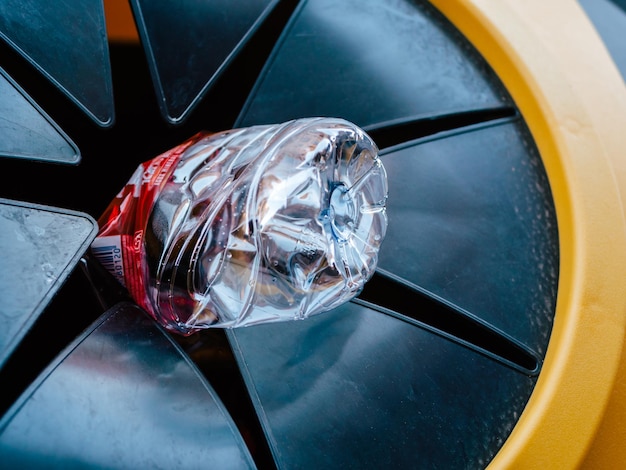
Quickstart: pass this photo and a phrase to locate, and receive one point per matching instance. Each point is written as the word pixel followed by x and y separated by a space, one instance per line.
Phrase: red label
pixel 128 214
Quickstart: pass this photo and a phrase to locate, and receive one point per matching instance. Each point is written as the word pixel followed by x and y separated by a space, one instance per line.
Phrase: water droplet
pixel 48 272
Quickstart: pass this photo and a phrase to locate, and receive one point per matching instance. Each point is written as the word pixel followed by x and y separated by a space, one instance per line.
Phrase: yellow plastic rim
pixel 573 99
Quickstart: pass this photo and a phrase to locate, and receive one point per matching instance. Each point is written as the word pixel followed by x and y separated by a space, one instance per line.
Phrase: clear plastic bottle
pixel 250 225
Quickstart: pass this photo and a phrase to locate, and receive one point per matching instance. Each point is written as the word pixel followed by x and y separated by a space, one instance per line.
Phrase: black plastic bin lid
pixel 432 365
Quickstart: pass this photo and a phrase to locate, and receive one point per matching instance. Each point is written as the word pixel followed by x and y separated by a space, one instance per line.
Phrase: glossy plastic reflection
pixel 267 223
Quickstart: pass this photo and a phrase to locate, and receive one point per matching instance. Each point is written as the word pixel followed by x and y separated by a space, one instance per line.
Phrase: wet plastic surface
pixel 39 247
pixel 123 396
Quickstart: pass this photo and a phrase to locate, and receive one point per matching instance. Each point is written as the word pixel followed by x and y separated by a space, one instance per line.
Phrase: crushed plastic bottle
pixel 251 225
